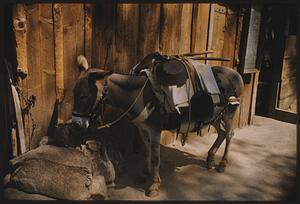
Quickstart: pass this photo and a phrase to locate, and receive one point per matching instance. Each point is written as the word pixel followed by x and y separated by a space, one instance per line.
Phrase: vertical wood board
pixel 73 45
pixel 103 36
pixel 126 39
pixel 200 27
pixel 149 25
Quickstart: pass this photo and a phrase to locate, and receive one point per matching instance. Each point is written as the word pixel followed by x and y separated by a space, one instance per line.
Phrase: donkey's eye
pixel 83 97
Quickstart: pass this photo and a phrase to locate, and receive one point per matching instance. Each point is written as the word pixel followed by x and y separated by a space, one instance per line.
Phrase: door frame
pixel 281 33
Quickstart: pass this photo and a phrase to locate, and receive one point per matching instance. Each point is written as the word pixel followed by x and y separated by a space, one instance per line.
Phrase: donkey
pixel 133 94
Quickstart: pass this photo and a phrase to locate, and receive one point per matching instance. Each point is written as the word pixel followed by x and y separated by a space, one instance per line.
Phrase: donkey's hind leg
pixel 210 161
pixel 224 130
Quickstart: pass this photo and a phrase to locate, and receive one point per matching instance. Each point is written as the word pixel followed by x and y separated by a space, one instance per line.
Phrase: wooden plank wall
pixel 41 61
pixel 115 37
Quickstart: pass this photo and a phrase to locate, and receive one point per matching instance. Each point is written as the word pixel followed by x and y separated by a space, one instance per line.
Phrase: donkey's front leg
pixel 155 163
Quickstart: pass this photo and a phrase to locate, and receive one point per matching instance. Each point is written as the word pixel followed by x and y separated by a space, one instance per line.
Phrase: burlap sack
pixel 57 172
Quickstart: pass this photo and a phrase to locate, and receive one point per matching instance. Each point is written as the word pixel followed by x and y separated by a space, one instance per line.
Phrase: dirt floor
pixel 262 167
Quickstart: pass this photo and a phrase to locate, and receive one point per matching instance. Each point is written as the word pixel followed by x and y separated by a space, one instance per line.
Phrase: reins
pixel 109 124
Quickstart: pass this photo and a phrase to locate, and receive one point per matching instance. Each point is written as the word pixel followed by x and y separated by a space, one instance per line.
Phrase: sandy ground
pixel 262 167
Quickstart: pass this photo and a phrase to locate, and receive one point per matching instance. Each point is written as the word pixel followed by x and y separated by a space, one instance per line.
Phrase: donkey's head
pixel 88 91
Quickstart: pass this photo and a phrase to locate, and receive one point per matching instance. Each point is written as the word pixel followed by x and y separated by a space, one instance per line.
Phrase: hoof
pixel 152 194
pixel 220 168
pixel 210 164
pixel 153 189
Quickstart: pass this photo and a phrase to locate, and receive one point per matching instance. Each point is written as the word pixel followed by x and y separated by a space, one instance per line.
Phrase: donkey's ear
pixel 98 75
pixel 82 63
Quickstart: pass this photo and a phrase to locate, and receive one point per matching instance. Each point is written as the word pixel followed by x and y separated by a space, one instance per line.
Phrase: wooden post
pixel 20 30
pixel 58 50
pixel 19 21
pixel 253 97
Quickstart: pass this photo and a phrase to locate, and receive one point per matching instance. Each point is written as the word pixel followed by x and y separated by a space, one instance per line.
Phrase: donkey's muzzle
pixel 80 121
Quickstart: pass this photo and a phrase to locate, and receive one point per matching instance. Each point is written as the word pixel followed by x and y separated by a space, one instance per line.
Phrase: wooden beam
pixel 20 28
pixel 59 51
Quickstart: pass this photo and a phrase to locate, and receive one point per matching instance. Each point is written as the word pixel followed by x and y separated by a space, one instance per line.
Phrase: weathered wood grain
pixel 88 32
pixel 34 77
pixel 217 41
pixel 149 25
pixel 246 102
pixel 253 97
pixel 170 28
pixel 20 30
pixel 230 38
pixel 126 37
pixel 47 66
pixel 186 28
pixel 59 51
pixel 170 31
pixel 200 27
pixel 103 35
pixel 73 45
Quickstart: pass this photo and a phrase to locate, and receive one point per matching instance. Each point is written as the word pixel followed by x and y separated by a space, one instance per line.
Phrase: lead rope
pixel 107 125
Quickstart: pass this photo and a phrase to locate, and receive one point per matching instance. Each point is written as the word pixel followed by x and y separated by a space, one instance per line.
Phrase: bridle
pixel 98 107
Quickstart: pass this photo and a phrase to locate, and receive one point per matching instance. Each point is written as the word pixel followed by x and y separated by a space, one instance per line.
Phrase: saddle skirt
pixel 206 81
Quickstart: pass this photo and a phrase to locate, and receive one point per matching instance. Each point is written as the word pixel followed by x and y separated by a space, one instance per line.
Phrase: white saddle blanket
pixel 181 95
